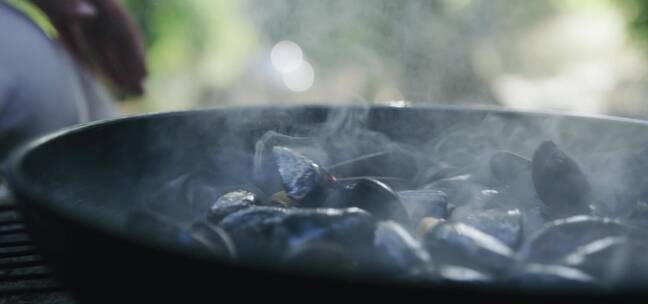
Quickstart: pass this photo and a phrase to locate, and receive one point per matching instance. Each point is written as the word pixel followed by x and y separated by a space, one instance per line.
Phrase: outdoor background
pixel 585 56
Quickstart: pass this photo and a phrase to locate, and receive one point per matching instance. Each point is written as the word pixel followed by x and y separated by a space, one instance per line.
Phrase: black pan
pixel 77 185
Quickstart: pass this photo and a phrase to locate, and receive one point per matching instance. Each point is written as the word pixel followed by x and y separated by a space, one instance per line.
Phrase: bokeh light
pixel 286 56
pixel 301 78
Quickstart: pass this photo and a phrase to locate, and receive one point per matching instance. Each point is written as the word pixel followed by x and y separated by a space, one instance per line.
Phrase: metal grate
pixel 24 275
pixel 22 269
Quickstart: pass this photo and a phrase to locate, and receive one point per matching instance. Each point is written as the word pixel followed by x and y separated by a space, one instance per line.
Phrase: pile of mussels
pixel 367 216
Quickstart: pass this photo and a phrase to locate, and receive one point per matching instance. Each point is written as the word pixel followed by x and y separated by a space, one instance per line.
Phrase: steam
pixel 452 150
pixel 457 150
pixel 378 50
pixel 462 151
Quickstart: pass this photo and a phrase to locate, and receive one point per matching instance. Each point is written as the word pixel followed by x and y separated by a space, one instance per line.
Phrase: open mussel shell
pixel 251 231
pixel 563 236
pixel 303 180
pixel 276 232
pixel 460 244
pixel 371 195
pixel 350 227
pixel 397 249
pixel 505 225
pixel 265 167
pixel 614 260
pixel 344 235
pixel 231 202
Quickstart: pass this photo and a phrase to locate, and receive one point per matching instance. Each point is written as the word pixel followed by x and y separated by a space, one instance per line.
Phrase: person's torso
pixel 42 88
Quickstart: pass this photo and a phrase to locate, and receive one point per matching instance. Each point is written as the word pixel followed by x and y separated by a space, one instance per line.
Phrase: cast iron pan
pixel 76 187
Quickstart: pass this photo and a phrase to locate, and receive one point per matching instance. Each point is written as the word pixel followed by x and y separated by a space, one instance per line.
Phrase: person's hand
pixel 101 35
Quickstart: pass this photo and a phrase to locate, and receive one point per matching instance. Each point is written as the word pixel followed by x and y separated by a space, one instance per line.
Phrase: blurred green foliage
pixel 185 33
pixel 421 46
pixel 637 16
pixel 425 48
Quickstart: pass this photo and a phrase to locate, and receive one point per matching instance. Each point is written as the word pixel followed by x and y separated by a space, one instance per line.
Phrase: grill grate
pixel 24 275
pixel 22 269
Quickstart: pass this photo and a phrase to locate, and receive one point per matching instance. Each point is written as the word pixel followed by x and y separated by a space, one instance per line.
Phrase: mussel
pixel 505 225
pixel 349 226
pixel 613 260
pixel 373 196
pixel 561 237
pixel 399 250
pixel 304 181
pixel 424 203
pixel 231 202
pixel 559 181
pixel 460 244
pixel 251 231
